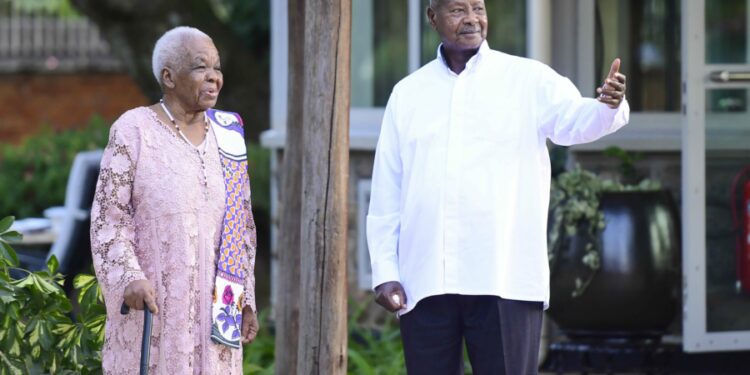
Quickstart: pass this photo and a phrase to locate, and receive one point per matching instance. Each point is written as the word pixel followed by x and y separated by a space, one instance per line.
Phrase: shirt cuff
pixel 383 272
pixel 619 116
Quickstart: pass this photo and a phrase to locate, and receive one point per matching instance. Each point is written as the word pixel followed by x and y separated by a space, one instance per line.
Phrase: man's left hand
pixel 612 92
pixel 249 325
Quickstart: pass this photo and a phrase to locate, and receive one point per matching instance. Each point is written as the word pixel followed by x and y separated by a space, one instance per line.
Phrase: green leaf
pixel 6 296
pixel 8 254
pixel 65 305
pixel 12 342
pixel 10 365
pixel 45 285
pixel 25 282
pixel 83 280
pixel 11 236
pixel 32 331
pixel 64 329
pixel 6 222
pixel 591 259
pixel 13 311
pixel 90 297
pixel 53 264
pixel 46 339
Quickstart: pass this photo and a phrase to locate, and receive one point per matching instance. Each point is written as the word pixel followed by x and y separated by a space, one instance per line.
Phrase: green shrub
pixel 35 173
pixel 374 351
pixel 37 331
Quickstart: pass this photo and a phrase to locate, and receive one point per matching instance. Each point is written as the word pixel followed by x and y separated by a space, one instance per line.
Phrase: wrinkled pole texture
pixel 288 282
pixel 323 164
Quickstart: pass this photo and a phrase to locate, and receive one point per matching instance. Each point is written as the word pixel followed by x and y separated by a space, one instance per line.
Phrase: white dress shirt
pixel 461 182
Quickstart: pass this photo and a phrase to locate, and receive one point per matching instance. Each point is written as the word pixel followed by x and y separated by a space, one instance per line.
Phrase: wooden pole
pixel 287 302
pixel 323 332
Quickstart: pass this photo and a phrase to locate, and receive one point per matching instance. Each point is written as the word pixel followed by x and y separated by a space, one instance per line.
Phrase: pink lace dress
pixel 157 215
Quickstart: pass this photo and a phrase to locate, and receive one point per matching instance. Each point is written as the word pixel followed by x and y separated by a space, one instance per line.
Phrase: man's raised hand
pixel 612 92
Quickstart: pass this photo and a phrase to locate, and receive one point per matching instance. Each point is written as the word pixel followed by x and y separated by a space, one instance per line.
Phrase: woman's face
pixel 198 80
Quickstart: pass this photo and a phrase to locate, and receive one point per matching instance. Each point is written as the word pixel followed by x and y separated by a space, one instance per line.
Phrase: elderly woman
pixel 172 228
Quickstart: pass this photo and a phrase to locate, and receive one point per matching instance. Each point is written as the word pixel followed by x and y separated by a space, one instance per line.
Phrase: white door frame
pixel 695 81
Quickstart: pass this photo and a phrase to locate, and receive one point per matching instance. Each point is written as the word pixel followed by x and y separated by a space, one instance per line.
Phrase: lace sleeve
pixel 112 227
pixel 252 243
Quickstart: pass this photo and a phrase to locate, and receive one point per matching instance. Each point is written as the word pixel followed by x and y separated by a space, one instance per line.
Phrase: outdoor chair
pixel 72 248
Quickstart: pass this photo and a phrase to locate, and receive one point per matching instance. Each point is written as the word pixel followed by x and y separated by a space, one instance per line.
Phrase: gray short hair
pixel 168 50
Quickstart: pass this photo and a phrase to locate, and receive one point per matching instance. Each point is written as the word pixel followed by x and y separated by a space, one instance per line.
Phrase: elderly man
pixel 460 192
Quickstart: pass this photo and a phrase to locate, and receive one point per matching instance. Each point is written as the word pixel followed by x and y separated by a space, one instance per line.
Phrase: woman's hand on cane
pixel 138 292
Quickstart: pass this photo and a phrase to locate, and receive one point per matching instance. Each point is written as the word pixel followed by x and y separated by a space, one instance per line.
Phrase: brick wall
pixel 62 101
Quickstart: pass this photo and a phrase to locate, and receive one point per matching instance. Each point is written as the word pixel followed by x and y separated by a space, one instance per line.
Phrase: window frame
pixel 696 336
pixel 647 131
pixel 364 122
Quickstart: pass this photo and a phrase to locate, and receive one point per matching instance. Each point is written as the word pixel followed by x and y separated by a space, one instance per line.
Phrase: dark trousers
pixel 502 336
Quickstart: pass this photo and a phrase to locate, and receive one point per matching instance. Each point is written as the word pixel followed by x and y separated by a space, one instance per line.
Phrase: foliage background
pixel 39 330
pixel 35 172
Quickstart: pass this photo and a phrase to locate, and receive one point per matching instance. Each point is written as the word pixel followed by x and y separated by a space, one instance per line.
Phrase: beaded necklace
pixel 201 153
pixel 177 126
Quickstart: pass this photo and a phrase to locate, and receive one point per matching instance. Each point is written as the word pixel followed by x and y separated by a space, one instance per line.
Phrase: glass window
pixel 645 34
pixel 380 43
pixel 379 50
pixel 727 209
pixel 726 43
pixel 506 29
pixel 726 32
pixel 727 174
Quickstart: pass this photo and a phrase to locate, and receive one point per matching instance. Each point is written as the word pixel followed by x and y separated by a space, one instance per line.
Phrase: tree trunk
pixel 323 334
pixel 131 27
pixel 288 287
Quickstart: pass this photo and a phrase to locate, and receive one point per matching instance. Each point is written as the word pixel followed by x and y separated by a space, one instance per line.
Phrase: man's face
pixel 461 24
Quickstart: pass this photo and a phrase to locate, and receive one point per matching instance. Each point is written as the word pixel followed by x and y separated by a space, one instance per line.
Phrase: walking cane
pixel 146 342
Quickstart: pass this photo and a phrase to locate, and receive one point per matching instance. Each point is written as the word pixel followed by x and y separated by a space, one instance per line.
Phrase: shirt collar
pixel 473 61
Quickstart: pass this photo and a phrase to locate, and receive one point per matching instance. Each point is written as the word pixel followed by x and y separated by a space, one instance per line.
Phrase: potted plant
pixel 613 251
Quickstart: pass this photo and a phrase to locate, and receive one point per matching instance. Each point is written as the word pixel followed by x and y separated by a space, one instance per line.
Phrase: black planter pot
pixel 635 293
